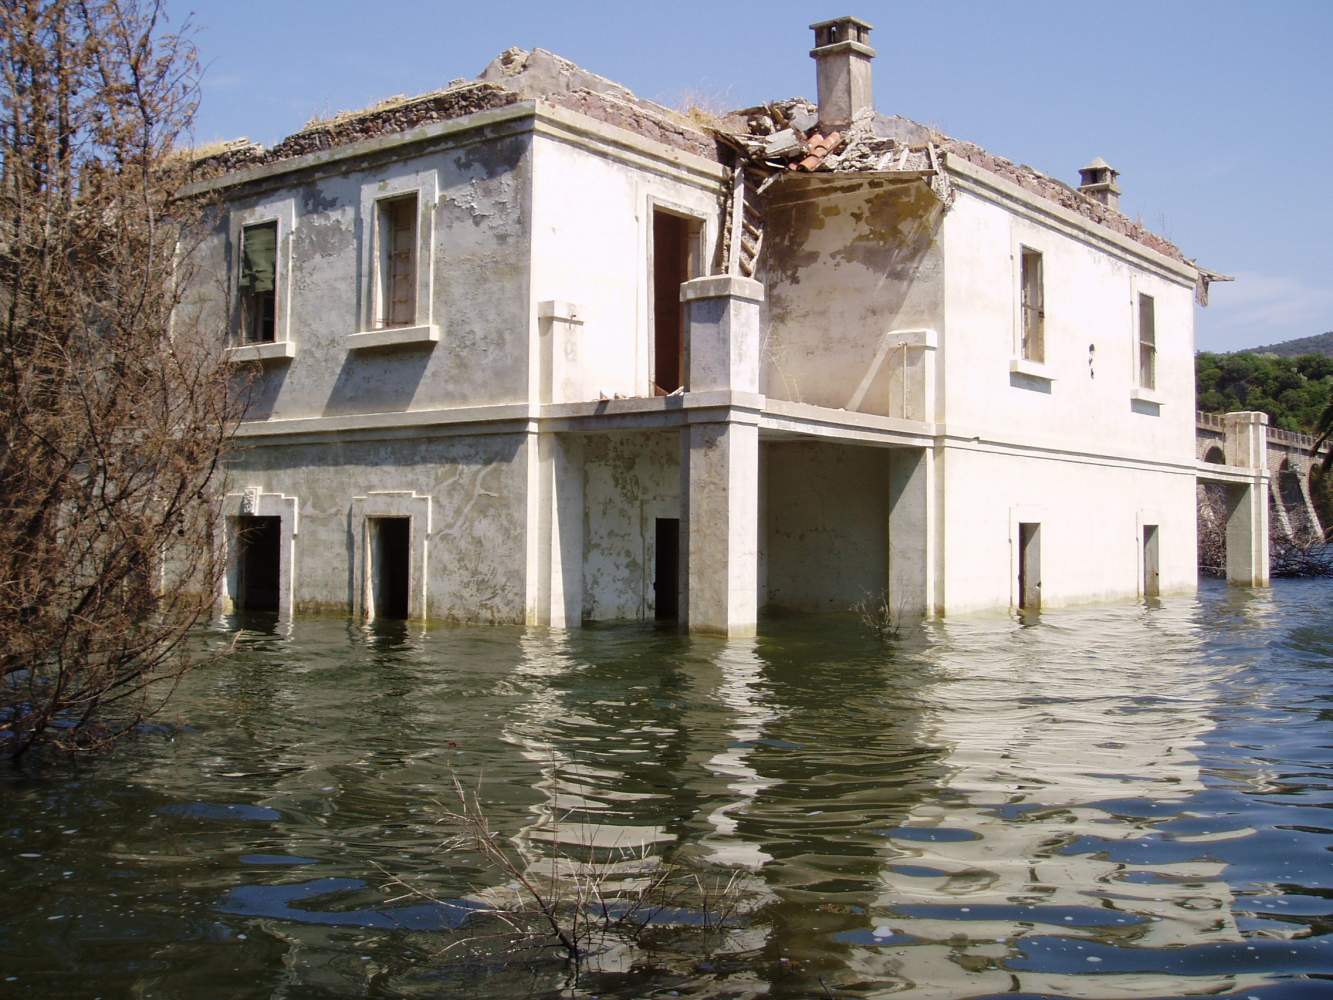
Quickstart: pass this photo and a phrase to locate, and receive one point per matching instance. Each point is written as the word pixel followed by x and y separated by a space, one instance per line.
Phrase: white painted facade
pixel 855 419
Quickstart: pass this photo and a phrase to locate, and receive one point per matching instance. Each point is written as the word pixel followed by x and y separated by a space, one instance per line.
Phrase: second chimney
pixel 1098 181
pixel 842 55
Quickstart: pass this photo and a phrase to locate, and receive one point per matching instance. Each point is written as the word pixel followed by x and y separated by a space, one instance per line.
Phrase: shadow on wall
pixel 263 389
pixel 384 381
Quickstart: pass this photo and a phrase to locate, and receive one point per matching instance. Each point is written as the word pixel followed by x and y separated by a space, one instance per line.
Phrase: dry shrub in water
pixel 577 903
pixel 877 617
pixel 116 422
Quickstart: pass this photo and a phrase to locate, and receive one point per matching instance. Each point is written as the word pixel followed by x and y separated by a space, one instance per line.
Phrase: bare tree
pixel 115 423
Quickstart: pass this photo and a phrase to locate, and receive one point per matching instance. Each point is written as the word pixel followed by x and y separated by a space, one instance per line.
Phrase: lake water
pixel 1116 802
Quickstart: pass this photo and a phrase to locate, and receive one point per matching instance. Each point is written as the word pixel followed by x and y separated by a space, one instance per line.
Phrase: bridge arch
pixel 1215 455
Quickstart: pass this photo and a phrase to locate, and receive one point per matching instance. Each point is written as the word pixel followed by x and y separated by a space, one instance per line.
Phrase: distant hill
pixel 1320 343
pixel 1292 391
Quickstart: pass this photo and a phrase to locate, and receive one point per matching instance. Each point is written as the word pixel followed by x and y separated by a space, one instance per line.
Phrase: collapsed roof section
pixel 762 143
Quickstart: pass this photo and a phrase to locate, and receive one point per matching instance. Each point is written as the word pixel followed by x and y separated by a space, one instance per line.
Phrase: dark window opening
pixel 673 239
pixel 1029 566
pixel 258 562
pixel 1151 570
pixel 666 576
pixel 390 565
pixel 259 273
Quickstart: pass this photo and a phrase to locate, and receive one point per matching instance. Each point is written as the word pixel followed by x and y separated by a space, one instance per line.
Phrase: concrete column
pixel 911 542
pixel 559 528
pixel 720 497
pixel 1247 506
pixel 722 333
pixel 1247 439
pixel 1247 534
pixel 561 326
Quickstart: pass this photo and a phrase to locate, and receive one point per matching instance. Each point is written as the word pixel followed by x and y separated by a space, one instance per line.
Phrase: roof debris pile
pixel 784 137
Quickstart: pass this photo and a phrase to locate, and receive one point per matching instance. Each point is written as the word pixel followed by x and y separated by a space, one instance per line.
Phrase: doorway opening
pixel 258 562
pixel 1029 566
pixel 390 566
pixel 666 574
pixel 1151 567
pixel 675 240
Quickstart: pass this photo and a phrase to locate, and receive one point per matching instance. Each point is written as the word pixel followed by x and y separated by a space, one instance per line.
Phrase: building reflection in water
pixel 1040 847
pixel 975 808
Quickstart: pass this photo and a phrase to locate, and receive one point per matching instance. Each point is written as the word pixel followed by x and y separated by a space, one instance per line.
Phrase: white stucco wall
pixel 1090 515
pixel 1071 446
pixel 1090 302
pixel 591 245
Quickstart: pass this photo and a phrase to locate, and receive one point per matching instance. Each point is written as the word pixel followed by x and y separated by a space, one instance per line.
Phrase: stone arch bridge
pixel 1268 474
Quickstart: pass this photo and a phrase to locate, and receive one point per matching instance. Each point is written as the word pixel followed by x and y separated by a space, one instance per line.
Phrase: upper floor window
pixel 258 283
pixel 1033 306
pixel 1147 343
pixel 397 240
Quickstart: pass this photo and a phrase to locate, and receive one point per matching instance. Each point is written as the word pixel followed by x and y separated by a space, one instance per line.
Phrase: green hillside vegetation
pixel 1292 391
pixel 1320 343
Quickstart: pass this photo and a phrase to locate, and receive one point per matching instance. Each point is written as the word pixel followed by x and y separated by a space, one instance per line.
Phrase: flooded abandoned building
pixel 536 350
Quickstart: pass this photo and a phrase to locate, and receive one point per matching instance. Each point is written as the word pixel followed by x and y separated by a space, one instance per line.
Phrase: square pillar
pixel 561 326
pixel 1247 439
pixel 722 333
pixel 720 497
pixel 911 540
pixel 1247 534
pixel 555 558
pixel 1247 506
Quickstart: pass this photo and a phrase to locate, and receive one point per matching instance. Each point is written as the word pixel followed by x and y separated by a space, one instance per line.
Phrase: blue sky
pixel 1217 114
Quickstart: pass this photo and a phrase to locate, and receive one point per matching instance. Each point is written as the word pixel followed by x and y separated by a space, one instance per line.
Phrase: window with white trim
pixel 396 240
pixel 1147 342
pixel 259 283
pixel 1033 306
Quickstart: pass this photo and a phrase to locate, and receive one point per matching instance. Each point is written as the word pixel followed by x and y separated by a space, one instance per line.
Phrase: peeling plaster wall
pixel 825 531
pixel 479 300
pixel 841 272
pixel 594 250
pixel 476 552
pixel 630 480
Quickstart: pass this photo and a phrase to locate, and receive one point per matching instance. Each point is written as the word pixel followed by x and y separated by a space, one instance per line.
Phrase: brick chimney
pixel 842 55
pixel 1097 181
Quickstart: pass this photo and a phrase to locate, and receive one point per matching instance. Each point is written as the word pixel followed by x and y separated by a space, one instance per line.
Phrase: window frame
pixel 246 319
pixel 1025 372
pixel 1150 382
pixel 280 212
pixel 377 197
pixel 1025 309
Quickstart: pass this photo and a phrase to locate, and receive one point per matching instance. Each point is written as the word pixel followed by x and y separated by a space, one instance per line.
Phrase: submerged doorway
pixel 1029 566
pixel 1151 566
pixel 390 566
pixel 666 574
pixel 258 563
